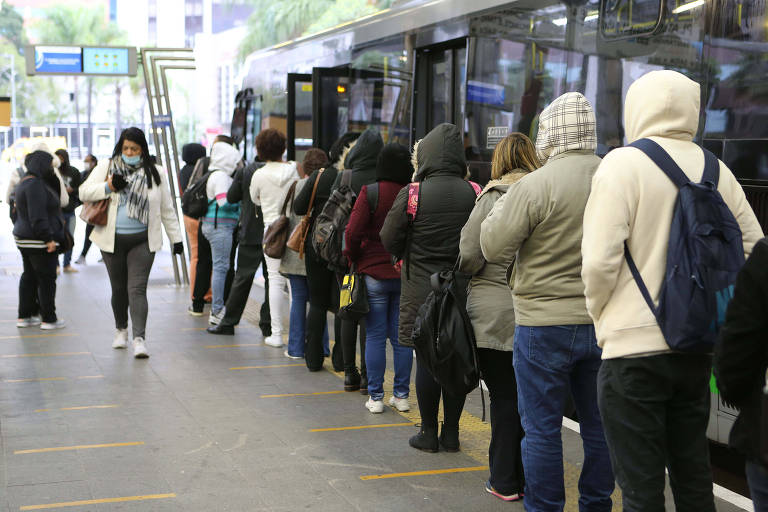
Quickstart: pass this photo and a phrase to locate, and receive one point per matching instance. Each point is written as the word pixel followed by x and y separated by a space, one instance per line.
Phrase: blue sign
pixel 485 93
pixel 58 59
pixel 163 120
pixel 105 61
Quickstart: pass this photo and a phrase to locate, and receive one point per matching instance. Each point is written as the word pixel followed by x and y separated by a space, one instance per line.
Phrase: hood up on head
pixel 39 163
pixel 224 157
pixel 440 152
pixel 394 164
pixel 567 124
pixel 663 104
pixel 192 152
pixel 42 146
pixel 364 153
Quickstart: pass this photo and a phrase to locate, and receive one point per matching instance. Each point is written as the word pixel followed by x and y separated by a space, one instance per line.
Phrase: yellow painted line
pixel 361 427
pixel 423 473
pixel 266 366
pixel 52 354
pixel 35 380
pixel 28 336
pixel 236 345
pixel 78 447
pixel 98 502
pixel 81 408
pixel 304 394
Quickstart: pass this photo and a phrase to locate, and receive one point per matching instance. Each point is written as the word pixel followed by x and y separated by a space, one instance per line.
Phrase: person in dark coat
pixel 323 287
pixel 360 161
pixel 428 245
pixel 38 231
pixel 90 163
pixel 740 362
pixel 190 153
pixel 364 250
pixel 71 177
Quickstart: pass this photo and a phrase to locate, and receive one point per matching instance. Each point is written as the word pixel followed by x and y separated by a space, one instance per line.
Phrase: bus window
pixel 631 18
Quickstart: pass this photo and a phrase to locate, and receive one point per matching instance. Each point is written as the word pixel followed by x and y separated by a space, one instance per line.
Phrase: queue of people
pixel 568 259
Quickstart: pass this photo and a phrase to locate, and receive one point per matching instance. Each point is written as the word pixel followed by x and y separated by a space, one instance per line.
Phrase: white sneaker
pixel 49 326
pixel 28 322
pixel 289 356
pixel 80 260
pixel 276 340
pixel 215 319
pixel 401 404
pixel 191 310
pixel 140 348
pixel 375 406
pixel 121 339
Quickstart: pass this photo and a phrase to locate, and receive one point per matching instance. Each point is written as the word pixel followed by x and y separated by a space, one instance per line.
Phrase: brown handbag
pixel 95 213
pixel 277 233
pixel 299 234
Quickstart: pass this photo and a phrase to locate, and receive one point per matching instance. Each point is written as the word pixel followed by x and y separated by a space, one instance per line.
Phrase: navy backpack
pixel 704 256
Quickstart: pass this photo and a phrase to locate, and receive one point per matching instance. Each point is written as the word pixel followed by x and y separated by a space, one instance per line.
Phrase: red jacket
pixel 363 247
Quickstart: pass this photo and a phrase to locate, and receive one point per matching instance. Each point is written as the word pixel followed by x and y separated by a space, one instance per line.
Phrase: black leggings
pixel 322 284
pixel 87 243
pixel 349 343
pixel 428 393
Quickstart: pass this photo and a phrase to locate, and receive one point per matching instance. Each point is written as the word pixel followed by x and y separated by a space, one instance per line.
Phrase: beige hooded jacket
pixel 540 218
pixel 633 200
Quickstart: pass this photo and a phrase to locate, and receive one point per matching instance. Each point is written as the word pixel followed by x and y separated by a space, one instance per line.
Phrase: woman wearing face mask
pixel 90 164
pixel 140 202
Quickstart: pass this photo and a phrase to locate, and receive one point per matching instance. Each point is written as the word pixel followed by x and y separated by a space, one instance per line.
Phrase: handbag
pixel 95 212
pixel 299 233
pixel 353 296
pixel 276 235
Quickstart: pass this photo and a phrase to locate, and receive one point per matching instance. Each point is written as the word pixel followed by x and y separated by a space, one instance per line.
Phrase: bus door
pixel 299 122
pixel 246 121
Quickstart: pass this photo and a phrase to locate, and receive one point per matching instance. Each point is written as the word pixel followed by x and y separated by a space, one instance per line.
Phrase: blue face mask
pixel 131 160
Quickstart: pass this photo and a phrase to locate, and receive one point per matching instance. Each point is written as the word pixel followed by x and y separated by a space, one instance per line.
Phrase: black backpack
pixel 194 200
pixel 328 232
pixel 443 335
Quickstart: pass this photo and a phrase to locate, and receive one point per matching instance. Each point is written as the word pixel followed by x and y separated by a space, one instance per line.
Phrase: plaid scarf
pixel 136 195
pixel 567 124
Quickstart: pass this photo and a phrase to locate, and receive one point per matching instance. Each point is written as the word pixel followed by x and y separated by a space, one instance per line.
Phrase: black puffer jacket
pixel 741 354
pixel 251 228
pixel 361 160
pixel 445 202
pixel 38 207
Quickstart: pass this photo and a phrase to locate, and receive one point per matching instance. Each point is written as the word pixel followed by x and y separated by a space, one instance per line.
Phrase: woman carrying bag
pixel 139 203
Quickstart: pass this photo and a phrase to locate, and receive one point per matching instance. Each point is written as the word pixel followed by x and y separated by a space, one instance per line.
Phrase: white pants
pixel 277 295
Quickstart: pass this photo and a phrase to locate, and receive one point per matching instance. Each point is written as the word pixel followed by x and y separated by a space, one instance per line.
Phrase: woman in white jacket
pixel 140 202
pixel 269 186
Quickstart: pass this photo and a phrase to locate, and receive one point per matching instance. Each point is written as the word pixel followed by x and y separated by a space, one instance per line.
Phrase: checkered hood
pixel 567 124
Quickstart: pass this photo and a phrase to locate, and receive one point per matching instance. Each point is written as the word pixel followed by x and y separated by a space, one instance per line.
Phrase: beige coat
pixel 489 302
pixel 632 200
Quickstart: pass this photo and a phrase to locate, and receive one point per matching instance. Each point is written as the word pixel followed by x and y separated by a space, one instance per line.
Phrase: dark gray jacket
pixel 361 160
pixel 251 228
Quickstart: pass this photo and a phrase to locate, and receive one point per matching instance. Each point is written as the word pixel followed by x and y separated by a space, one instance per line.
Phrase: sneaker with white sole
pixel 80 260
pixel 195 312
pixel 28 322
pixel 140 348
pixel 401 404
pixel 121 339
pixel 50 326
pixel 215 318
pixel 375 406
pixel 276 340
pixel 289 356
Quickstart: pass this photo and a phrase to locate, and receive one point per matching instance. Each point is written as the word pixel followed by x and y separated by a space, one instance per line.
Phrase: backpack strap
pixel 414 190
pixel 346 178
pixel 662 159
pixel 639 280
pixel 476 187
pixel 711 169
pixel 372 192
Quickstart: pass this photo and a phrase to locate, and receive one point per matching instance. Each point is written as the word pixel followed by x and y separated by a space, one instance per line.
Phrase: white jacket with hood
pixel 224 157
pixel 269 186
pixel 632 200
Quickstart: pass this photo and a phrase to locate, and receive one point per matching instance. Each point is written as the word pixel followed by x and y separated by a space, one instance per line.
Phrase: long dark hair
pixel 136 135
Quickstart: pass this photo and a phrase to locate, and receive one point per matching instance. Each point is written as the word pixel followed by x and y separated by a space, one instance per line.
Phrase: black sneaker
pixel 449 438
pixel 425 440
pixel 195 311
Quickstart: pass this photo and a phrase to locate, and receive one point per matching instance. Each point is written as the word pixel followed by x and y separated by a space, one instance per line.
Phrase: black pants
pixel 505 457
pixel 428 393
pixel 349 343
pixel 655 411
pixel 205 269
pixel 265 319
pixel 37 285
pixel 322 284
pixel 248 260
pixel 87 242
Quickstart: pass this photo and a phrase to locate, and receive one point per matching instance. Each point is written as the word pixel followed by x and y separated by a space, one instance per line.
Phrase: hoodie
pixel 190 153
pixel 55 181
pixel 360 160
pixel 632 200
pixel 224 160
pixel 38 218
pixel 540 218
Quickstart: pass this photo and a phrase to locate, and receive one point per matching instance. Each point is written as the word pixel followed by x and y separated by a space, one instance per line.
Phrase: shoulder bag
pixel 299 234
pixel 95 212
pixel 353 296
pixel 277 233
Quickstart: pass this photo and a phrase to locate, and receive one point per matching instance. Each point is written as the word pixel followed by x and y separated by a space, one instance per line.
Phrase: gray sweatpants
pixel 128 268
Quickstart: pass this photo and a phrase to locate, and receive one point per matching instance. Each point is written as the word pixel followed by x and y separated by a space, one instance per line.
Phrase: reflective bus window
pixel 630 18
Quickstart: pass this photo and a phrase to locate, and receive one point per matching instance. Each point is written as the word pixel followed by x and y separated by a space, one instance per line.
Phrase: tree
pixel 12 26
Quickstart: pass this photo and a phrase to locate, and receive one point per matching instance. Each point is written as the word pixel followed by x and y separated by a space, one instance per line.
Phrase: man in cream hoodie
pixel 555 350
pixel 654 402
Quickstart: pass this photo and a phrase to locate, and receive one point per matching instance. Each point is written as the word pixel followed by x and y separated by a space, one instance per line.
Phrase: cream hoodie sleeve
pixel 510 222
pixel 167 211
pixel 607 218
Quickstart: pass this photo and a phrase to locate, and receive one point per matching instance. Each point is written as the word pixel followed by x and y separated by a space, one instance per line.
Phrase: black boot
pixel 449 438
pixel 425 440
pixel 363 381
pixel 351 379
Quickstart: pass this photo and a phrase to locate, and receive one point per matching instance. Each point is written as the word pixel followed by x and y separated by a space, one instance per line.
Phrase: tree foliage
pixel 12 26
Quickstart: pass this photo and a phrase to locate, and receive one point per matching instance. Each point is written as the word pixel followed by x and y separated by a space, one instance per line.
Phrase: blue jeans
pixel 549 363
pixel 69 225
pixel 297 332
pixel 757 477
pixel 381 323
pixel 220 238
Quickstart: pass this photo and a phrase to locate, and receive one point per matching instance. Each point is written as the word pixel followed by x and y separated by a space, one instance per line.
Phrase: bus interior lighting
pixel 688 6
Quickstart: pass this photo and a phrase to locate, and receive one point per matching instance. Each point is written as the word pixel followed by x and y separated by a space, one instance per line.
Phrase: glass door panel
pixel 299 126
